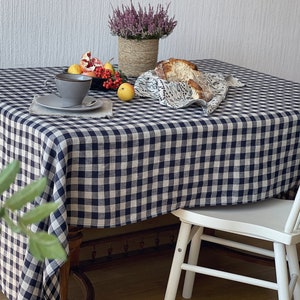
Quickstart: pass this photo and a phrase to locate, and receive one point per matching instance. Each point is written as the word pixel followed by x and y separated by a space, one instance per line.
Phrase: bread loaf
pixel 180 70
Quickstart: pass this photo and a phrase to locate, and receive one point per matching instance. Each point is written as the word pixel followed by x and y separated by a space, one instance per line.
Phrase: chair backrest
pixel 293 219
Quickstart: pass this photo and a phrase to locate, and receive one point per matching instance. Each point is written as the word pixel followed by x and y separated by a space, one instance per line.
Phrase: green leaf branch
pixel 41 244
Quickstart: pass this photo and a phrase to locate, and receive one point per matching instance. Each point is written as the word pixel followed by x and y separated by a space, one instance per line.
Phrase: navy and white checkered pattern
pixel 145 161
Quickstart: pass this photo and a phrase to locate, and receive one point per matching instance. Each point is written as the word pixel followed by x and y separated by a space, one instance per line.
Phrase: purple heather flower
pixel 141 23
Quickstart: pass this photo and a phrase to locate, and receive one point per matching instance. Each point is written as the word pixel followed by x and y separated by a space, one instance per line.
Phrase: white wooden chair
pixel 272 220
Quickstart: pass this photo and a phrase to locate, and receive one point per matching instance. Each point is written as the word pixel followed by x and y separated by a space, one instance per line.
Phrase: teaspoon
pixel 86 104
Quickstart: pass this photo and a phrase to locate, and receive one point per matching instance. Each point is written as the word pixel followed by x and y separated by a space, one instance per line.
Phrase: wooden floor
pixel 144 277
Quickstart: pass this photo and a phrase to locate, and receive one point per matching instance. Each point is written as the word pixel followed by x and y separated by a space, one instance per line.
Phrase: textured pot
pixel 137 56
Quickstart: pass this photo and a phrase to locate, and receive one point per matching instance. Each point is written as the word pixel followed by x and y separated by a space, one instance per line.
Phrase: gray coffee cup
pixel 71 88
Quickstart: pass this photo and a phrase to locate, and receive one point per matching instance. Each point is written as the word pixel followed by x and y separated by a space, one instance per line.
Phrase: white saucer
pixel 54 102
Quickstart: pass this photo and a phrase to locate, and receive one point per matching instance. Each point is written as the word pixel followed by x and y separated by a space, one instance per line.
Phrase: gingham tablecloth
pixel 145 161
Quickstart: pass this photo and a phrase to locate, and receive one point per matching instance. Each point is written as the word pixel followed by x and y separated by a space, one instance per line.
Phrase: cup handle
pixel 48 82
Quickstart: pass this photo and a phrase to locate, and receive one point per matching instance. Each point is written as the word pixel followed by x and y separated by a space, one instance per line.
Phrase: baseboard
pixel 97 251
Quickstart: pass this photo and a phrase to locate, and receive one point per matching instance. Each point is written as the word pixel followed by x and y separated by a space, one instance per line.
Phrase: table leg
pixel 64 280
pixel 75 240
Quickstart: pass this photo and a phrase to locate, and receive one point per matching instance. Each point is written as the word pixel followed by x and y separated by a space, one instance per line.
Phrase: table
pixel 145 161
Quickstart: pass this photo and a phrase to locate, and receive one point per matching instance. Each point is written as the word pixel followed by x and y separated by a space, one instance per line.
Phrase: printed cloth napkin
pixel 106 110
pixel 179 94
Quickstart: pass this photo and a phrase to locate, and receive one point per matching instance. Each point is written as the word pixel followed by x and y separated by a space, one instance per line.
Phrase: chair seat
pixel 263 220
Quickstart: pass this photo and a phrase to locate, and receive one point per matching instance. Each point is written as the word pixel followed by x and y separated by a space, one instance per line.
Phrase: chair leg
pixel 193 260
pixel 179 254
pixel 293 263
pixel 281 271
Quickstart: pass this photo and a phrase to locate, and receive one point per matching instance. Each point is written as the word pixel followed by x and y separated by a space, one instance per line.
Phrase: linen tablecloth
pixel 147 160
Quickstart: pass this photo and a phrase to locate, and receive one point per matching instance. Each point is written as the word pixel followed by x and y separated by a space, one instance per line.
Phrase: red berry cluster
pixel 101 72
pixel 113 81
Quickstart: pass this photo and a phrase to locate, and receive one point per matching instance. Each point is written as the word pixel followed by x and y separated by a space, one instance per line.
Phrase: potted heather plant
pixel 139 30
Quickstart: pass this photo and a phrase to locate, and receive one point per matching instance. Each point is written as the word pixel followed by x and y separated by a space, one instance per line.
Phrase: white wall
pixel 259 34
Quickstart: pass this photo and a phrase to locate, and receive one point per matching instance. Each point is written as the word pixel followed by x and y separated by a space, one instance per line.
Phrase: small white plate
pixel 54 102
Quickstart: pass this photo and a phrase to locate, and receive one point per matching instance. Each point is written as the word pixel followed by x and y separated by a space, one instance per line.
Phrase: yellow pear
pixel 109 66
